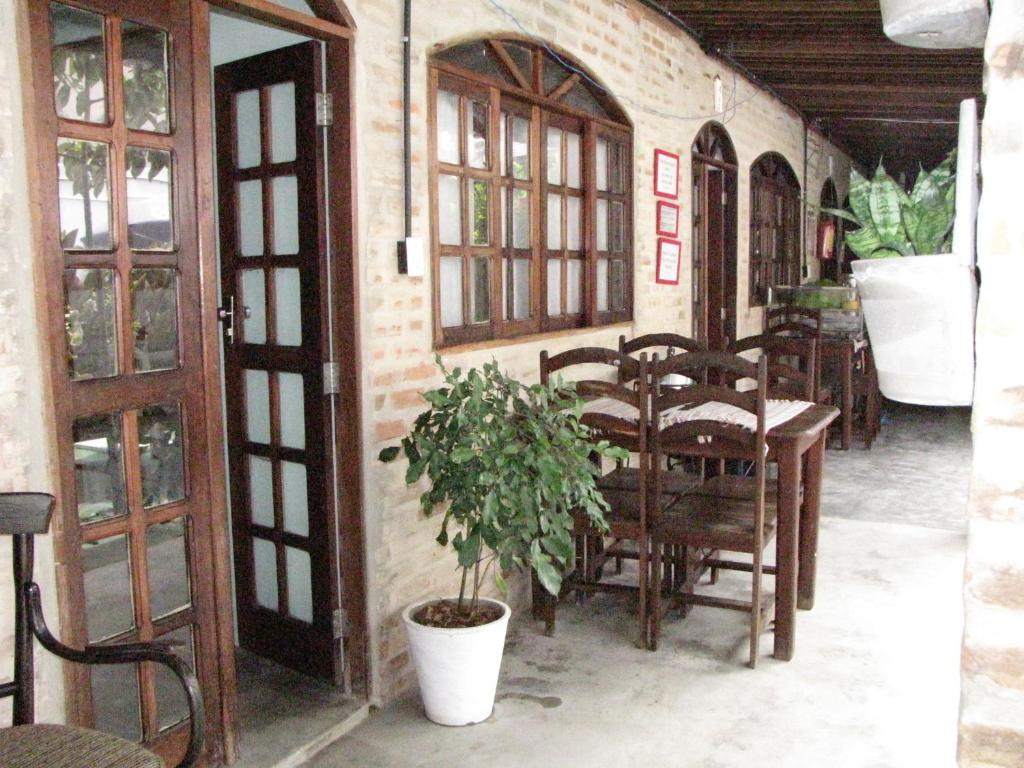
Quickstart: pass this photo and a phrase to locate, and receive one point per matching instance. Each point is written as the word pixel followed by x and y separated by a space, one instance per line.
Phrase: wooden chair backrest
pixel 667 344
pixel 792 363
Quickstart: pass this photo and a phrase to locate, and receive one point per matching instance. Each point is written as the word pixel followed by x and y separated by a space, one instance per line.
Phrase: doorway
pixel 713 237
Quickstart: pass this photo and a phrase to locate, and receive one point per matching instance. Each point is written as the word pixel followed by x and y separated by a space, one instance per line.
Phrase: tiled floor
pixel 875 681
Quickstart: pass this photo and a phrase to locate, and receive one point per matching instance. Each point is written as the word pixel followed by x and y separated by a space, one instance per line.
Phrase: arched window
pixel 774 226
pixel 531 190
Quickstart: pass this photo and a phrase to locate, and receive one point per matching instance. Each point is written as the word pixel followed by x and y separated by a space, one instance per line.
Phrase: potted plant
pixel 918 297
pixel 508 465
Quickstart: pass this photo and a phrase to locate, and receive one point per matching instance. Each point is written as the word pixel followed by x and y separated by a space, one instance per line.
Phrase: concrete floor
pixel 875 681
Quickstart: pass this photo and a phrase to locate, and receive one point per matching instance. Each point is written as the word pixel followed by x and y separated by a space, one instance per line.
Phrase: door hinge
pixel 324 109
pixel 339 623
pixel 332 379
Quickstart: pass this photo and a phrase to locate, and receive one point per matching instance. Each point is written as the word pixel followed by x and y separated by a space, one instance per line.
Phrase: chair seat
pixel 713 522
pixel 64 746
pixel 673 481
pixel 736 487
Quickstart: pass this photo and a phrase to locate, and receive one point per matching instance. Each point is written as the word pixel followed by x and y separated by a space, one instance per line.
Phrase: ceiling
pixel 830 60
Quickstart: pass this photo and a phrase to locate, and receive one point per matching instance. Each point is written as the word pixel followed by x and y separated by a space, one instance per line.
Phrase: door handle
pixel 227 316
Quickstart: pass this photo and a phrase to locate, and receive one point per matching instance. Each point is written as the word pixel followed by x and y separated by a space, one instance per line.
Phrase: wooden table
pixel 844 351
pixel 798 446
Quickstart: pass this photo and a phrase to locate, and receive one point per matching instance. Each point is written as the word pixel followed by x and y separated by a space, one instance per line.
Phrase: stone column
pixel 992 698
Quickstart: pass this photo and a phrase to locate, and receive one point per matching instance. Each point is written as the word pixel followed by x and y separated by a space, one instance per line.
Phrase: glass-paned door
pixel 115 133
pixel 273 273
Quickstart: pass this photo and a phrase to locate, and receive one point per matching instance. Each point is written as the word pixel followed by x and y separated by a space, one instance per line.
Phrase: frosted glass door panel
pixel 108 587
pixel 300 584
pixel 257 406
pixel 286 215
pixel 264 556
pixel 250 218
pixel 261 491
pixel 247 106
pixel 293 409
pixel 254 296
pixel 282 123
pixel 296 501
pixel 288 307
pixel 554 287
pixel 573 286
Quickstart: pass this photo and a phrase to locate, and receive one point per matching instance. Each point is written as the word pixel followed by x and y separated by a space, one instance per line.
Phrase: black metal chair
pixel 30 745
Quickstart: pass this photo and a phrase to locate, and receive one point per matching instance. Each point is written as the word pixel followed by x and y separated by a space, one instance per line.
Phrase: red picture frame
pixel 663 211
pixel 670 257
pixel 666 174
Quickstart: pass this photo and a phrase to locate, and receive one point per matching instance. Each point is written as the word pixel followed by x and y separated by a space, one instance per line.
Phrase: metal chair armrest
pixel 157 651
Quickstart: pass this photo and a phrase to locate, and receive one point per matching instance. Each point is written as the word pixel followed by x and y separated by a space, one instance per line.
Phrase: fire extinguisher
pixel 826 247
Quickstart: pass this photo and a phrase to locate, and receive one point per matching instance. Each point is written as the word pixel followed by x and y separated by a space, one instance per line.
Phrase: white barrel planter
pixel 457 668
pixel 919 312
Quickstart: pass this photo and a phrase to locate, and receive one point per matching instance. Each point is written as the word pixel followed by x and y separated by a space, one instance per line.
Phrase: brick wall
pixel 992 675
pixel 632 51
pixel 24 427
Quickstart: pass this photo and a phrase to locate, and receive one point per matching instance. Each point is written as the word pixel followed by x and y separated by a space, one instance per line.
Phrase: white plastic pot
pixel 457 668
pixel 920 315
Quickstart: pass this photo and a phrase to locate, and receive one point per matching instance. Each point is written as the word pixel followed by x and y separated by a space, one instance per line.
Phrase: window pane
pixel 618 284
pixel 573 286
pixel 149 182
pixel 554 156
pixel 554 287
pixel 617 168
pixel 300 584
pixel 254 298
pixel 250 218
pixel 479 212
pixel 167 560
pixel 449 210
pixel 504 287
pixel 447 127
pixel 520 148
pixel 602 165
pixel 602 285
pixel 264 556
pixel 618 224
pixel 108 587
pixel 503 143
pixel 573 223
pixel 602 224
pixel 257 406
pixel 520 289
pixel 160 455
pixel 154 319
pixel 89 321
pixel 521 218
pixel 288 307
pixel 261 491
pixel 282 123
pixel 247 129
pixel 285 196
pixel 79 64
pixel 554 222
pixel 572 160
pixel 480 298
pixel 146 104
pixel 295 498
pixel 451 291
pixel 293 409
pixel 504 217
pixel 99 467
pixel 171 704
pixel 83 173
pixel 476 133
pixel 115 695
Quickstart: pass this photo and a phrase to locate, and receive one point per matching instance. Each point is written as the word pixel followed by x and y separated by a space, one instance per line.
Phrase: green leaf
pixel 860 192
pixel 389 454
pixel 884 202
pixel 863 242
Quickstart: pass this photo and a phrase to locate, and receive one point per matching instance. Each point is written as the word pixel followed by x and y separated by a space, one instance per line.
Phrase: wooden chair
pixel 707 521
pixel 620 416
pixel 791 363
pixel 799 322
pixel 865 390
pixel 30 745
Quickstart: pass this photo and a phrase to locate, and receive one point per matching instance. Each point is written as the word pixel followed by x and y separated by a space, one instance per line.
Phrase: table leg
pixel 846 364
pixel 809 515
pixel 786 552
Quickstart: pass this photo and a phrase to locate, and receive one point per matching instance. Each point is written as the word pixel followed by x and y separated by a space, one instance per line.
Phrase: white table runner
pixel 776 412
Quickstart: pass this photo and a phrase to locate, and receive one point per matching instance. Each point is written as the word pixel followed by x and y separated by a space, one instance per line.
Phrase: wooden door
pixel 714 253
pixel 717 309
pixel 112 111
pixel 273 282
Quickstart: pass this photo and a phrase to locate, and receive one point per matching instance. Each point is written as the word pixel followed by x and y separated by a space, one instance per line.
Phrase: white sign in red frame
pixel 666 174
pixel 667 219
pixel 669 258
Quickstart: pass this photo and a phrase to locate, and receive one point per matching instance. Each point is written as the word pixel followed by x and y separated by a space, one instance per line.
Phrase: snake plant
pixel 894 223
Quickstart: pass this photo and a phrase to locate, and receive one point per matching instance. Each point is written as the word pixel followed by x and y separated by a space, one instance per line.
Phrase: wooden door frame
pixel 340 64
pixel 222 729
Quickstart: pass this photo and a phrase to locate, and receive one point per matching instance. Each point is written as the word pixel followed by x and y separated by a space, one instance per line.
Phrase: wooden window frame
pixel 775 212
pixel 527 98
